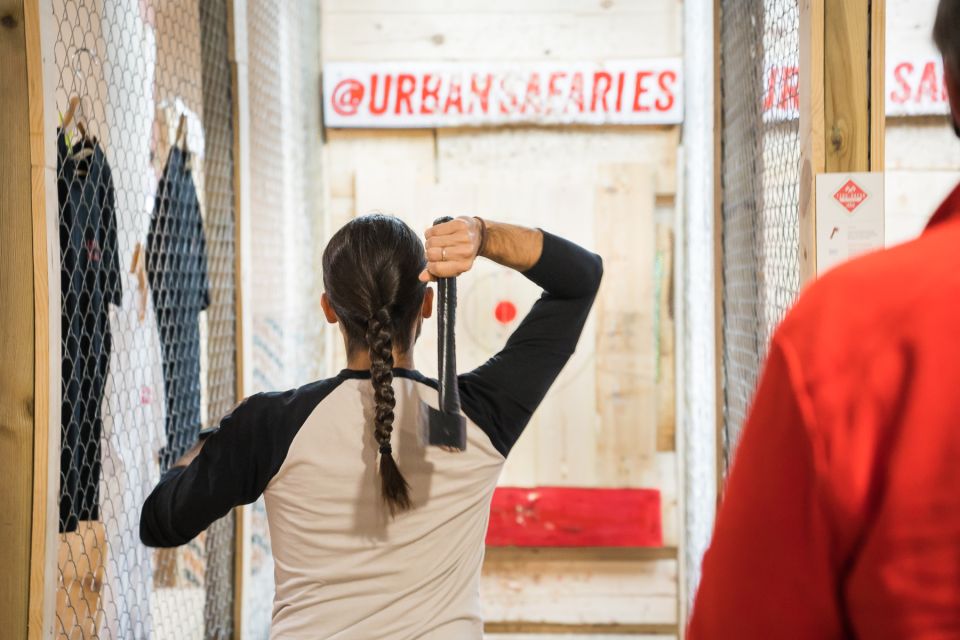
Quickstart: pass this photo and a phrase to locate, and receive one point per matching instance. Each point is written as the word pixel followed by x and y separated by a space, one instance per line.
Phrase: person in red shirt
pixel 841 515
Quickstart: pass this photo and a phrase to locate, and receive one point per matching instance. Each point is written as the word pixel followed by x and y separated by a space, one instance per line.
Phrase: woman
pixel 387 548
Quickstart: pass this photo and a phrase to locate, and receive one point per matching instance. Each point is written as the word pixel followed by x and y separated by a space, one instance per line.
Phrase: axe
pixel 445 427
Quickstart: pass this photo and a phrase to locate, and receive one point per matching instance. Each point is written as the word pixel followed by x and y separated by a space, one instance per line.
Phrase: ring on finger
pixel 443 254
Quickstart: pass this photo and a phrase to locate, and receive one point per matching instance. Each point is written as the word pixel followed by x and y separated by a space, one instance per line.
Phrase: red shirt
pixel 841 515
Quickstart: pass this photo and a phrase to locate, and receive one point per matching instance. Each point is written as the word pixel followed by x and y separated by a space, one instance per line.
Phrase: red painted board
pixel 574 517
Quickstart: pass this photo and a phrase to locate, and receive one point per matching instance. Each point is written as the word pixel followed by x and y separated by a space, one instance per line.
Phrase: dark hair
pixel 946 34
pixel 370 273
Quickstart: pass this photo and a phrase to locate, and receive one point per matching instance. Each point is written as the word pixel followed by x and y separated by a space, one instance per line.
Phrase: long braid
pixel 393 486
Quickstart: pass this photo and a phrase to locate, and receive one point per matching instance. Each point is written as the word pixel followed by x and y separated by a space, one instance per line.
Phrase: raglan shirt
pixel 344 568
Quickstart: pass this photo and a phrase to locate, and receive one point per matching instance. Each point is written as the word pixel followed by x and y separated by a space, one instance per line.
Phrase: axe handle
pixel 446 340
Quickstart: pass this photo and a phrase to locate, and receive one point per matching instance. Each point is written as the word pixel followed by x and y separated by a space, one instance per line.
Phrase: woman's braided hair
pixel 370 273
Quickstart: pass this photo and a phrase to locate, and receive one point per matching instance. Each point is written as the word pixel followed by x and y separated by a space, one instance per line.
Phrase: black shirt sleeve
pixel 234 466
pixel 501 395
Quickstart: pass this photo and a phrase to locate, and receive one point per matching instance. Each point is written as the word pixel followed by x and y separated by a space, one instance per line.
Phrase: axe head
pixel 440 429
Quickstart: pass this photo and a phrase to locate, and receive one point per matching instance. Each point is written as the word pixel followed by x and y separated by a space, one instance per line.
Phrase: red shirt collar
pixel 949 209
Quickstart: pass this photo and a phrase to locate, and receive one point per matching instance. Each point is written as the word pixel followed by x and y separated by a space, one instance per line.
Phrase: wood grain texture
pixel 846 44
pixel 562 150
pixel 626 387
pixel 434 33
pixel 535 634
pixel 877 70
pixel 580 592
pixel 240 118
pixel 19 542
pixel 666 365
pixel 812 129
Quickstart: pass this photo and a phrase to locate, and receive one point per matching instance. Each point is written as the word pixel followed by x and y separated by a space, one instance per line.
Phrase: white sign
pixel 420 94
pixel 849 216
pixel 915 86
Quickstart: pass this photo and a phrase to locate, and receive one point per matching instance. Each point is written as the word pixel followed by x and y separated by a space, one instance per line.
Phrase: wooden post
pixel 29 402
pixel 841 101
pixel 237 46
pixel 718 287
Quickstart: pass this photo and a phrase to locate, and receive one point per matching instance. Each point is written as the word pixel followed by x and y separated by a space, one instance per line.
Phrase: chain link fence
pixel 146 218
pixel 286 195
pixel 760 177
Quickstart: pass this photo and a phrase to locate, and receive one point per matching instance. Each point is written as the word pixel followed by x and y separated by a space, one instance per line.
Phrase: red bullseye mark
pixel 505 311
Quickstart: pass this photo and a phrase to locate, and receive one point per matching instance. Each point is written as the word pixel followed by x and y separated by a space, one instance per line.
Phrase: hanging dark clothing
pixel 177 269
pixel 89 282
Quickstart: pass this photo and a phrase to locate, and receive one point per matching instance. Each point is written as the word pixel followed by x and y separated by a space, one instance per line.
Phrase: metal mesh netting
pixel 288 333
pixel 146 220
pixel 760 172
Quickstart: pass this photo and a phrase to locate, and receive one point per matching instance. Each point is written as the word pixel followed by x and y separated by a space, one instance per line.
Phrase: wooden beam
pixel 26 347
pixel 718 280
pixel 237 52
pixel 812 126
pixel 841 101
pixel 878 63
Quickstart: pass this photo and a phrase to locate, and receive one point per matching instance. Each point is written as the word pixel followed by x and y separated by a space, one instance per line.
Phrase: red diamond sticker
pixel 850 195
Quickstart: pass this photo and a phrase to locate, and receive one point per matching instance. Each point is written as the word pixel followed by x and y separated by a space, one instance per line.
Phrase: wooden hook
pixel 181 131
pixel 71 110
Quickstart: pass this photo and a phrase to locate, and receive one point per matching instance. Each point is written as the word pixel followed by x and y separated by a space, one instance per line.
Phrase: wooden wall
pixel 609 420
pixel 922 153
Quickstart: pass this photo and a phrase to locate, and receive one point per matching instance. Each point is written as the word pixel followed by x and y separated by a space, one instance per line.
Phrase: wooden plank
pixel 581 631
pixel 567 150
pixel 718 280
pixel 240 98
pixel 579 7
pixel 536 635
pixel 668 482
pixel 651 32
pixel 22 545
pixel 575 592
pixel 846 77
pixel 878 60
pixel 666 378
pixel 910 198
pixel 625 360
pixel 921 143
pixel 575 517
pixel 812 128
pixel 348 150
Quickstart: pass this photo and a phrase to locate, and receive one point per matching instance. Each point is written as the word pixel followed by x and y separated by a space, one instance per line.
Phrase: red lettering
pixel 771 89
pixel 406 85
pixel 576 92
pixel 453 97
pixel 552 88
pixel 376 109
pixel 482 93
pixel 928 83
pixel 427 92
pixel 641 76
pixel 597 77
pixel 666 81
pixel 790 92
pixel 532 98
pixel 508 99
pixel 899 74
pixel 620 77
